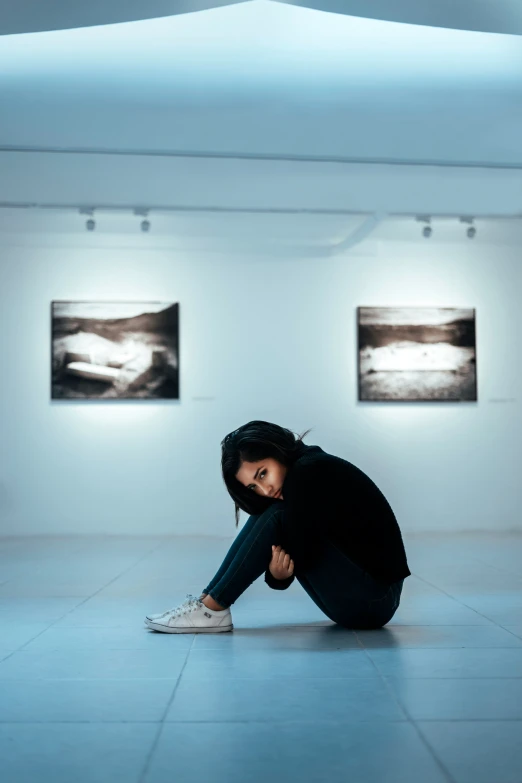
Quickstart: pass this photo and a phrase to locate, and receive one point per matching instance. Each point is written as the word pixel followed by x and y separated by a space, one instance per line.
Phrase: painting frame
pixel 143 333
pixel 451 331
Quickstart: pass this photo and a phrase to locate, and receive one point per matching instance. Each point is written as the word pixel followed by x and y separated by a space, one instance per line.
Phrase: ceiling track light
pixel 90 223
pixel 141 212
pixel 427 231
pixel 471 231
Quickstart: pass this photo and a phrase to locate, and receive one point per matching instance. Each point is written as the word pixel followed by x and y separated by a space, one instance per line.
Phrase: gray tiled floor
pixel 88 694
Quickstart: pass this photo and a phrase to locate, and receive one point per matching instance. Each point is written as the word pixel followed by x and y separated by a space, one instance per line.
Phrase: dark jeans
pixel 346 593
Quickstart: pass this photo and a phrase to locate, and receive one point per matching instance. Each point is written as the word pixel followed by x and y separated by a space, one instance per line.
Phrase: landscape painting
pixel 417 354
pixel 115 350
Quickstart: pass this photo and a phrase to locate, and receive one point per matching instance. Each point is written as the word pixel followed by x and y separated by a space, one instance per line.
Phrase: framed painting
pixel 417 354
pixel 115 350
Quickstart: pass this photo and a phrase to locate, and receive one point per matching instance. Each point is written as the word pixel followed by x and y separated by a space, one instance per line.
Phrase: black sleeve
pixel 278 584
pixel 306 511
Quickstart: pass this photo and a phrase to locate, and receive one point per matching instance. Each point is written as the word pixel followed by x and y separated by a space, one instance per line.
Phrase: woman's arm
pixel 309 497
pixel 278 584
pixel 280 573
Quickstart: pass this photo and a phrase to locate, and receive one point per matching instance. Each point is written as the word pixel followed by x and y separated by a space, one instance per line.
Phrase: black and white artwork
pixel 417 354
pixel 115 350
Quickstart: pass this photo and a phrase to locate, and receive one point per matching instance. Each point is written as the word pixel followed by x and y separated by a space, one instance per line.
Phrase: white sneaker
pixel 192 616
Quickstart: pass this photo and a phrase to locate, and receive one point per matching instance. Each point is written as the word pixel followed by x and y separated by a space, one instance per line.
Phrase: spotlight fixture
pixel 471 232
pixel 142 212
pixel 427 231
pixel 90 224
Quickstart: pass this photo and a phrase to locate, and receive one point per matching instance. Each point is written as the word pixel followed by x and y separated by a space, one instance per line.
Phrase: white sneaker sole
pixel 187 629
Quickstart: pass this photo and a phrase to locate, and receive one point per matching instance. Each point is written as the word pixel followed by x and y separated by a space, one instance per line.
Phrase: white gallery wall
pixel 261 336
pixel 283 153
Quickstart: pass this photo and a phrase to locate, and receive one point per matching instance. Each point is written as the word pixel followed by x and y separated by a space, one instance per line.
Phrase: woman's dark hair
pixel 253 442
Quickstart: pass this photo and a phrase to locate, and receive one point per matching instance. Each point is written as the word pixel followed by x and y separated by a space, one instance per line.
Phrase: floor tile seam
pixel 430 625
pixel 496 623
pixel 32 597
pixel 487 677
pixel 431 751
pixel 89 679
pixel 193 676
pixel 86 599
pixel 162 722
pixel 22 651
pixel 497 568
pixel 289 678
pixel 245 650
pixel 314 721
pixel 449 647
pixel 188 678
pixel 289 628
pixel 300 678
pixel 398 678
pixel 13 652
pixel 458 601
pixel 381 677
pixel 489 624
pixel 517 721
pixel 101 648
pixel 69 721
pixel 517 636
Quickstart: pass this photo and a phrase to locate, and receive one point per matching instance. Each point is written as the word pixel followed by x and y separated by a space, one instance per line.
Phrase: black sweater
pixel 326 497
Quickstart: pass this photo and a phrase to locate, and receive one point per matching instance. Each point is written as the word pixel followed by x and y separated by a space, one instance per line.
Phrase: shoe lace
pixel 184 608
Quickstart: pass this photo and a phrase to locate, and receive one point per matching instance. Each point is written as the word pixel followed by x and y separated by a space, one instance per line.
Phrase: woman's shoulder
pixel 319 464
pixel 315 463
pixel 316 456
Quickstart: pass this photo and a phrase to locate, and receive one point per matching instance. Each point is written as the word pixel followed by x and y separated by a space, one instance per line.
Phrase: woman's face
pixel 265 477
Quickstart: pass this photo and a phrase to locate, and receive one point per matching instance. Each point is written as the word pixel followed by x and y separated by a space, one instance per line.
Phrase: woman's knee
pixel 272 518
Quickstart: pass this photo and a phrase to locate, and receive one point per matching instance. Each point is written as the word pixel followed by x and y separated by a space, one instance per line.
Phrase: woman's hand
pixel 281 566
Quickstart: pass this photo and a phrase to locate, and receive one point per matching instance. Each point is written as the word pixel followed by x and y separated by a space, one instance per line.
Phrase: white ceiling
pixel 266 105
pixel 285 52
pixel 499 16
pixel 267 78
